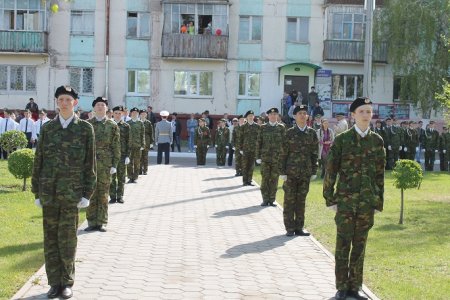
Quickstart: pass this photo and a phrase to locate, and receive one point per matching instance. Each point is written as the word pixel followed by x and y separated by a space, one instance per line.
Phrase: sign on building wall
pixel 323 89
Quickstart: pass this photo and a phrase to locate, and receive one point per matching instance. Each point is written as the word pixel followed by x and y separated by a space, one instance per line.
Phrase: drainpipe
pixel 107 8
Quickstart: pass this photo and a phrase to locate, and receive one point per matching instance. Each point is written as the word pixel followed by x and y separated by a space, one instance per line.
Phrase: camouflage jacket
pixel 235 136
pixel 149 134
pixel 393 137
pixel 124 128
pixel 247 138
pixel 137 131
pixel 411 138
pixel 202 136
pixel 64 167
pixel 299 152
pixel 270 141
pixel 381 132
pixel 222 137
pixel 107 142
pixel 431 140
pixel 359 162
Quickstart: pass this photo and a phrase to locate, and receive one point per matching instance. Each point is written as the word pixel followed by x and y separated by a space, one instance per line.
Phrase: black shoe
pixel 101 228
pixel 245 184
pixel 302 233
pixel 272 204
pixel 237 174
pixel 340 295
pixel 144 173
pixel 120 200
pixel 90 228
pixel 264 204
pixel 131 181
pixel 290 233
pixel 53 292
pixel 66 292
pixel 250 183
pixel 358 295
pixel 112 201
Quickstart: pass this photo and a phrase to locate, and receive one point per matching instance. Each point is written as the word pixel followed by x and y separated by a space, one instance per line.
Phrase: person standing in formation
pixel 268 151
pixel 246 145
pixel 393 142
pixel 107 147
pixel 137 144
pixel 149 138
pixel 63 181
pixel 298 162
pixel 444 147
pixel 234 124
pixel 411 141
pixel 221 139
pixel 6 124
pixel 118 179
pixel 39 123
pixel 430 144
pixel 235 139
pixel 176 131
pixel 26 125
pixel 202 141
pixel 163 137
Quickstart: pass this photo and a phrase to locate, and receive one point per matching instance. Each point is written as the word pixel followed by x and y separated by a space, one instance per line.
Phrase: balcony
pixel 200 46
pixel 23 41
pixel 352 51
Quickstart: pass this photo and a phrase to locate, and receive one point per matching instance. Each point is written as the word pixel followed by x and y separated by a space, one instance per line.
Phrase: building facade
pixel 192 55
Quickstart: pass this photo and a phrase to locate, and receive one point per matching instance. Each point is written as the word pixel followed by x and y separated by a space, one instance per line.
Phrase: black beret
pixel 134 109
pixel 240 117
pixel 174 114
pixel 272 110
pixel 66 90
pixel 340 114
pixel 250 112
pixel 360 101
pixel 142 111
pixel 299 108
pixel 99 99
pixel 118 108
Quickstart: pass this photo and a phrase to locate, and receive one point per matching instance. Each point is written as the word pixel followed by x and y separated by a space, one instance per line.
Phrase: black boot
pixel 53 292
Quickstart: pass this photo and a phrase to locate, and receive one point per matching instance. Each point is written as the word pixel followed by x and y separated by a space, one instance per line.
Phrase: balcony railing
pixel 338 50
pixel 200 46
pixel 23 41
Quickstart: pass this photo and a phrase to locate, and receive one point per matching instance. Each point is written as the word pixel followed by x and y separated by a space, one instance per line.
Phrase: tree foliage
pixel 13 139
pixel 20 164
pixel 417 33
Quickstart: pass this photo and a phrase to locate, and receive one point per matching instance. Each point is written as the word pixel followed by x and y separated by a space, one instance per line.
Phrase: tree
pixel 416 32
pixel 20 164
pixel 13 139
pixel 407 175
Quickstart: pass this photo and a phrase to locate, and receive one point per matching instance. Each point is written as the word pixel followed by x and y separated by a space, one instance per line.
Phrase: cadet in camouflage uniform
pixel 298 165
pixel 202 141
pixel 430 144
pixel 357 159
pixel 137 144
pixel 63 180
pixel 221 138
pixel 235 138
pixel 411 141
pixel 246 146
pixel 118 179
pixel 393 143
pixel 268 151
pixel 444 148
pixel 107 147
pixel 149 140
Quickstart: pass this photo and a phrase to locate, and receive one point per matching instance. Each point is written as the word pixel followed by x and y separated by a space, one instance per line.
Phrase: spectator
pixel 151 115
pixel 286 103
pixel 326 138
pixel 291 112
pixel 317 124
pixel 27 126
pixel 313 97
pixel 225 116
pixel 341 125
pixel 317 110
pixel 230 144
pixel 191 28
pixel 38 124
pixel 209 120
pixel 176 130
pixel 33 108
pixel 191 125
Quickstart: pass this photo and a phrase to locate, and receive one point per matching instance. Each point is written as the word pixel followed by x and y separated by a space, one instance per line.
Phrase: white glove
pixel 226 147
pixel 142 148
pixel 423 150
pixel 113 171
pixel 215 145
pixel 127 160
pixel 417 149
pixel 333 207
pixel 241 152
pixel 195 146
pixel 405 149
pixel 156 143
pixel 207 147
pixel 436 151
pixel 313 177
pixel 258 161
pixel 389 147
pixel 151 145
pixel 37 202
pixel 234 148
pixel 83 203
pixel 443 151
pixel 376 211
pixel 400 148
pixel 283 177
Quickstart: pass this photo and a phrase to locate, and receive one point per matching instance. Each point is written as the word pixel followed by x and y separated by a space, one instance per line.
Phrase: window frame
pixel 355 88
pixel 298 29
pixel 247 85
pixel 24 80
pixel 84 13
pixel 139 17
pixel 343 22
pixel 188 84
pixel 136 82
pixel 250 31
pixel 41 9
pixel 80 87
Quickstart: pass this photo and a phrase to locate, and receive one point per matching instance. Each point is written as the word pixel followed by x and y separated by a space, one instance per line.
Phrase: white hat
pixel 164 113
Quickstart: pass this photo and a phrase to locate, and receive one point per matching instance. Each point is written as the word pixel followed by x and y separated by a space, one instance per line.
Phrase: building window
pixel 193 83
pixel 18 78
pixel 139 82
pixel 138 25
pixel 347 87
pixel 82 22
pixel 347 26
pixel 249 85
pixel 82 80
pixel 297 30
pixel 250 28
pixel 26 15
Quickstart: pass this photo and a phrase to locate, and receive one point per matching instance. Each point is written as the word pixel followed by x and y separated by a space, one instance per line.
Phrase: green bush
pixel 407 174
pixel 20 164
pixel 13 139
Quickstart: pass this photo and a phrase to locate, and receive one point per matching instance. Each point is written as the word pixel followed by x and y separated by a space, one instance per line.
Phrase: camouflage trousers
pixel 60 243
pixel 238 161
pixel 392 158
pixel 352 231
pixel 248 164
pixel 295 191
pixel 201 154
pixel 97 211
pixel 430 156
pixel 118 181
pixel 269 181
pixel 144 160
pixel 134 166
pixel 221 153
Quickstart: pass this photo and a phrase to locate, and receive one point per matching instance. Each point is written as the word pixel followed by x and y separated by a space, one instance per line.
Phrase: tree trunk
pixel 24 185
pixel 401 209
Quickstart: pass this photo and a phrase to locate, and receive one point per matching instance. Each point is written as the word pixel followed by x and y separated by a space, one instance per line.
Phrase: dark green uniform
pixel 107 147
pixel 358 163
pixel 149 140
pixel 431 144
pixel 444 147
pixel 393 142
pixel 411 143
pixel 137 142
pixel 202 140
pixel 247 138
pixel 298 161
pixel 64 171
pixel 268 149
pixel 237 154
pixel 118 179
pixel 221 138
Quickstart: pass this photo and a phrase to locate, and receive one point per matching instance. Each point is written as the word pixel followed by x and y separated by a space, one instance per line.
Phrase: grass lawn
pixel 409 261
pixel 21 246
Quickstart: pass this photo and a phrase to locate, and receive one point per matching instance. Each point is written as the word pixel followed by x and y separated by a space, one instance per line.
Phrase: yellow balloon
pixel 55 8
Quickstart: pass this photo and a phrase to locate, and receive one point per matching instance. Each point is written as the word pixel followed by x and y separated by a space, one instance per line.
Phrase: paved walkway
pixel 188 232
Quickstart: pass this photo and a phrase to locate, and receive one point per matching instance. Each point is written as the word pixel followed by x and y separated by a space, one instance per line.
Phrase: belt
pixel 164 134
